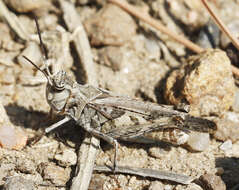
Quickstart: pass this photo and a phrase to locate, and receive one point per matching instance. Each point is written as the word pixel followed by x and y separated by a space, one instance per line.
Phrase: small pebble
pixel 189 13
pixel 198 141
pixel 8 90
pixel 157 152
pixel 212 182
pixel 7 76
pixel 66 158
pixel 153 49
pixel 155 185
pixel 227 145
pixel 233 116
pixel 6 39
pixel 219 171
pixel 168 187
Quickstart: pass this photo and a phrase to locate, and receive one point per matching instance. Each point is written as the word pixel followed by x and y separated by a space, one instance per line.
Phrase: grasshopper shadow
pixel 38 121
pixel 20 116
pixel 160 88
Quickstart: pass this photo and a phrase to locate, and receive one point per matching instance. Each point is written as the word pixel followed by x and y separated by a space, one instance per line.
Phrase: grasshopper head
pixel 59 80
pixel 57 91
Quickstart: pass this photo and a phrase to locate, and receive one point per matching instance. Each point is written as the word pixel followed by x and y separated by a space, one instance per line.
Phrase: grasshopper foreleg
pixel 59 123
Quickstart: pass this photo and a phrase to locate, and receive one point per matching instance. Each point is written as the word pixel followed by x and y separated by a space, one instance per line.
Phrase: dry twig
pixel 220 24
pixel 89 147
pixel 144 172
pixel 13 22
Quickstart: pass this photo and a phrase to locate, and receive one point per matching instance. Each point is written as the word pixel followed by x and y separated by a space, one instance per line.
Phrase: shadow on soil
pixel 38 121
pixel 20 116
pixel 231 170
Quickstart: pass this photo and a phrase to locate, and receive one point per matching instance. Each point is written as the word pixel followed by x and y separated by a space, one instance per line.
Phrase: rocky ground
pixel 131 58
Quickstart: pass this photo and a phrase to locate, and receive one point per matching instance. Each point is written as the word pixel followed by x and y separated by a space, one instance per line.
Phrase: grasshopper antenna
pixel 45 71
pixel 38 68
pixel 40 39
pixel 42 47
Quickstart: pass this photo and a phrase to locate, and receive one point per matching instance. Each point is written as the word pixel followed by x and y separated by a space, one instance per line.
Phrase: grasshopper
pixel 92 107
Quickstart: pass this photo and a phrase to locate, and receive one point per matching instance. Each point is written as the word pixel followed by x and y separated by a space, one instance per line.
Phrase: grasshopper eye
pixel 59 80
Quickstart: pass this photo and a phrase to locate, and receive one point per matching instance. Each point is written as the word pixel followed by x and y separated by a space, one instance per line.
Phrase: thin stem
pixel 220 24
pixel 40 38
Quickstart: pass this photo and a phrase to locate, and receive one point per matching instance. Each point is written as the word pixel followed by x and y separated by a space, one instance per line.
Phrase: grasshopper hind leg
pixel 107 138
pixel 95 131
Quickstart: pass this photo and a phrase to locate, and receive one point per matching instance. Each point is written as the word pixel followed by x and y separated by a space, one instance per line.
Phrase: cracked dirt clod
pixel 18 183
pixel 51 172
pixel 205 82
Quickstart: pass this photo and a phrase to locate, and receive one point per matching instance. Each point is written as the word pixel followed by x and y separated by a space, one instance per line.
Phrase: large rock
pixel 205 82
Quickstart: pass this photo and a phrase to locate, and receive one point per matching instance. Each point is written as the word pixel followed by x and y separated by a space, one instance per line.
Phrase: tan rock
pixel 205 82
